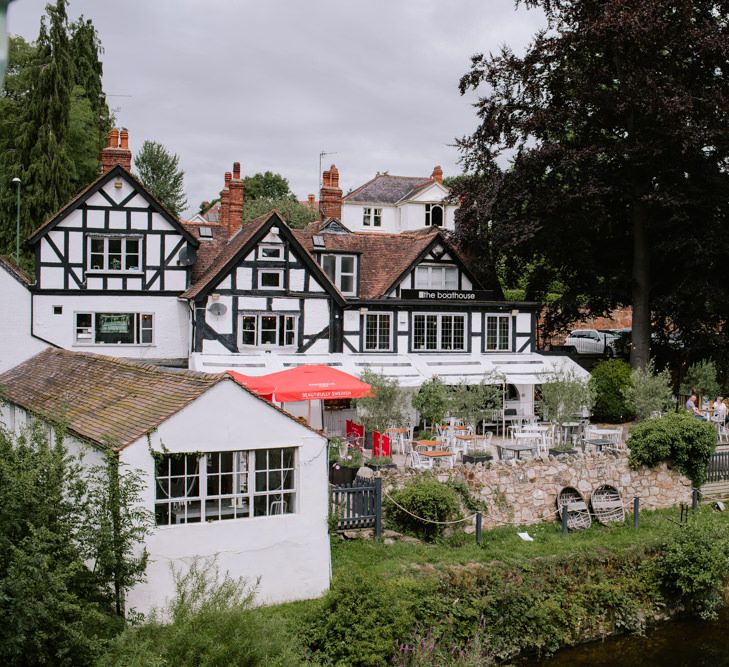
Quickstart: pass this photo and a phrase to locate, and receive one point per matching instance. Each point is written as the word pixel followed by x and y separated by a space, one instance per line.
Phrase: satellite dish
pixel 217 308
pixel 187 256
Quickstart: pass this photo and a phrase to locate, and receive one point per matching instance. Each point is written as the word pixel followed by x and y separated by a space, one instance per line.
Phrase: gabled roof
pixel 386 189
pixel 104 400
pixel 15 271
pixel 242 242
pixel 385 258
pixel 93 188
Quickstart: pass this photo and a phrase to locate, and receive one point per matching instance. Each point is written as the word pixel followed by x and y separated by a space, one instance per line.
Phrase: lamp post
pixel 16 180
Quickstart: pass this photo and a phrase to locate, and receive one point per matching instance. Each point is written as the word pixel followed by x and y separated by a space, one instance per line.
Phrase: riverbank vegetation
pixel 454 602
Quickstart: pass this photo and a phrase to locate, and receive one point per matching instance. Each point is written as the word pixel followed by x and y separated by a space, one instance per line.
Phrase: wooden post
pixel 565 529
pixel 694 500
pixel 479 518
pixel 378 507
pixel 636 511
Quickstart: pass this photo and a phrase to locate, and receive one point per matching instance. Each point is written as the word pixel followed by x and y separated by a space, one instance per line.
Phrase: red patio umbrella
pixel 315 382
pixel 257 385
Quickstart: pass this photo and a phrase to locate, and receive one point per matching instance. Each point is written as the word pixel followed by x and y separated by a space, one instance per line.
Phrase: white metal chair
pixel 418 462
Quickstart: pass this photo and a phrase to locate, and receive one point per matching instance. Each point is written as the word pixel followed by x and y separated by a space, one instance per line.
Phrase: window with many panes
pixel 114 253
pixel 498 333
pixel 441 332
pixel 114 328
pixel 276 329
pixel 371 217
pixel 378 332
pixel 341 271
pixel 436 277
pixel 215 486
pixel 433 215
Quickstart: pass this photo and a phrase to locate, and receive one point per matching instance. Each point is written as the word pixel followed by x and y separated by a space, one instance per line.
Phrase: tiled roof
pixel 209 248
pixel 104 400
pixel 14 270
pixel 384 257
pixel 225 254
pixel 387 189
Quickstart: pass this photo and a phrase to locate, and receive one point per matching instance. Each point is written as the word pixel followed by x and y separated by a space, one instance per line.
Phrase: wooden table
pixel 428 444
pixel 439 455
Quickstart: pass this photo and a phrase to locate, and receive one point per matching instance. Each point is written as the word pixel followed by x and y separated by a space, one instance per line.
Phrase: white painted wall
pixel 170 323
pixel 15 324
pixel 290 553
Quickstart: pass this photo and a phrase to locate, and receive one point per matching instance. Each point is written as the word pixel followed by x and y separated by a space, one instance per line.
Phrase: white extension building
pixel 227 475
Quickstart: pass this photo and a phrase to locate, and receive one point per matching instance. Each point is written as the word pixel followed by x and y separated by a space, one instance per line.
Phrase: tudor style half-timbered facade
pixel 110 267
pixel 264 293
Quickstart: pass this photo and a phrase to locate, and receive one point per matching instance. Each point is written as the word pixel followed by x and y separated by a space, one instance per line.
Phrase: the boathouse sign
pixel 446 295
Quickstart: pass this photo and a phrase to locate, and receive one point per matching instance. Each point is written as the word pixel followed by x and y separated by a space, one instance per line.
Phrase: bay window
pixel 378 332
pixel 215 486
pixel 498 333
pixel 268 328
pixel 114 253
pixel 439 332
pixel 114 328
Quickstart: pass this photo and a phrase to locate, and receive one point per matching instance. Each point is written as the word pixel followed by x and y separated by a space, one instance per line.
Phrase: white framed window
pixel 436 277
pixel 341 270
pixel 270 251
pixel 216 486
pixel 270 279
pixel 378 332
pixel 114 328
pixel 120 254
pixel 267 328
pixel 433 215
pixel 371 217
pixel 439 332
pixel 498 333
pixel 206 232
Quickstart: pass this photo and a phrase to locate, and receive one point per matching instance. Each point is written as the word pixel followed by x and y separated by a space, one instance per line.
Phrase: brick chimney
pixel 330 195
pixel 231 201
pixel 237 191
pixel 117 151
pixel 437 174
pixel 311 202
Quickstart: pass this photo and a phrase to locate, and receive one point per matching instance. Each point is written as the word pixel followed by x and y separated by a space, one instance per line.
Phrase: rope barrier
pixel 420 518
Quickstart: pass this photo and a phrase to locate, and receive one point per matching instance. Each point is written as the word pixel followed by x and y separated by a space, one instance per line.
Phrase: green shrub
pixel 210 623
pixel 426 498
pixel 609 380
pixel 701 378
pixel 679 439
pixel 432 400
pixel 650 392
pixel 694 566
pixel 360 622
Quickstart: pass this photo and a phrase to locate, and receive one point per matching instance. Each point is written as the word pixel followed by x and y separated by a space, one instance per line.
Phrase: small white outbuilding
pixel 228 475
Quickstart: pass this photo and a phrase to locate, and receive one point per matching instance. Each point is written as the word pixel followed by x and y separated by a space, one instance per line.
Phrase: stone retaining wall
pixel 525 492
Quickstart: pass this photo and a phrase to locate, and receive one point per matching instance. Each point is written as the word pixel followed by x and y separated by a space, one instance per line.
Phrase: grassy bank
pixel 456 603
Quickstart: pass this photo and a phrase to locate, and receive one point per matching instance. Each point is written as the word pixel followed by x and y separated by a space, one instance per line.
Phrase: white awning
pixel 410 370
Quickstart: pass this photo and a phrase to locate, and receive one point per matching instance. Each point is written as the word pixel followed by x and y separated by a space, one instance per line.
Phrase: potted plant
pixel 381 463
pixel 343 469
pixel 471 402
pixel 432 401
pixel 386 405
pixel 477 456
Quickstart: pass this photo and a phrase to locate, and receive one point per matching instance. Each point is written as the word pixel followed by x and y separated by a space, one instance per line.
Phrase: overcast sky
pixel 273 83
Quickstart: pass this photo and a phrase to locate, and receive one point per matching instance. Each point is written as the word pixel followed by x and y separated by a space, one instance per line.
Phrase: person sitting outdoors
pixel 691 407
pixel 719 411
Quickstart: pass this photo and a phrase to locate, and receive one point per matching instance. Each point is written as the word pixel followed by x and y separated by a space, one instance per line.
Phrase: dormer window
pixel 371 217
pixel 114 253
pixel 436 277
pixel 270 252
pixel 433 215
pixel 341 271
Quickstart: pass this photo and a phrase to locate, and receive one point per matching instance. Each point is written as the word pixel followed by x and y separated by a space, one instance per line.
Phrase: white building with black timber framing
pixel 110 267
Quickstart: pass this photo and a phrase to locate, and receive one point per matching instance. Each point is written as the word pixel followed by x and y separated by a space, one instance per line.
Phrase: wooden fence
pixel 358 505
pixel 718 467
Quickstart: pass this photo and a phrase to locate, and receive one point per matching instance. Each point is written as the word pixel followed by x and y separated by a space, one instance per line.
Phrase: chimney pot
pixel 116 153
pixel 228 176
pixel 437 174
pixel 113 138
pixel 236 170
pixel 124 137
